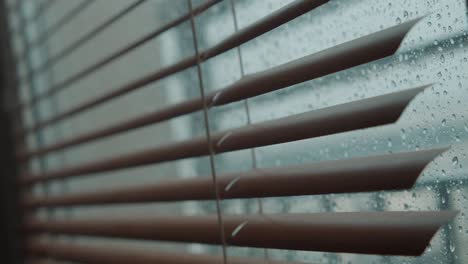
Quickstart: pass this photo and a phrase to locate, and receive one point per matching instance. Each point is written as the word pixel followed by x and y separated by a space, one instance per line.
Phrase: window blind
pixel 383 232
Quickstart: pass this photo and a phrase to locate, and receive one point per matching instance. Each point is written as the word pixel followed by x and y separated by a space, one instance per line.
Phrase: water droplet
pixel 403 134
pixel 390 144
pixel 429 248
pixel 442 58
pixel 452 55
pixel 444 122
pixel 455 161
pixel 452 247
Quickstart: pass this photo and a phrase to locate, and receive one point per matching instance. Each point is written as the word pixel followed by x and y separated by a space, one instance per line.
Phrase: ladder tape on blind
pixel 379 110
pixel 369 48
pixel 124 255
pixel 388 233
pixel 384 172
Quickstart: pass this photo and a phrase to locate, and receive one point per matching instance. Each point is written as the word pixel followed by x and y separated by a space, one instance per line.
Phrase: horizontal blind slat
pixel 270 22
pixel 379 110
pixel 343 56
pixel 113 56
pixel 385 172
pixel 174 110
pixel 120 255
pixel 402 233
pixel 349 54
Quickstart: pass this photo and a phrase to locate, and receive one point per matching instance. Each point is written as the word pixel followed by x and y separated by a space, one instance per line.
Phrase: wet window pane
pixel 433 54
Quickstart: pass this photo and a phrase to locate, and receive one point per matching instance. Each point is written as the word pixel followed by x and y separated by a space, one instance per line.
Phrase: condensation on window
pixel 433 54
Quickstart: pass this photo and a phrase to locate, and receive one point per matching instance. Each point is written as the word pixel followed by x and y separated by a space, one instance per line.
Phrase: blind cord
pixel 247 111
pixel 208 134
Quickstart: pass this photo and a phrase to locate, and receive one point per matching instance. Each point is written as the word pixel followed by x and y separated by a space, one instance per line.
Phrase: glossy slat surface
pixel 389 233
pixel 360 114
pixel 386 172
pixel 341 57
pixel 270 22
pixel 119 255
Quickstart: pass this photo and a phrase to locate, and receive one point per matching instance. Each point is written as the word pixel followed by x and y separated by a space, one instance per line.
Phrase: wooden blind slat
pixel 385 172
pixel 349 54
pixel 362 50
pixel 360 114
pixel 270 22
pixel 117 54
pixel 389 233
pixel 120 255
